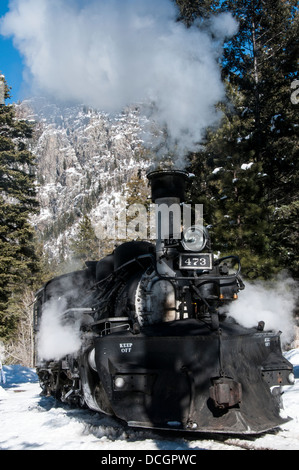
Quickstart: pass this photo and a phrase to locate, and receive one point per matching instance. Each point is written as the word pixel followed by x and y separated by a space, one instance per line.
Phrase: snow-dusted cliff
pixel 84 159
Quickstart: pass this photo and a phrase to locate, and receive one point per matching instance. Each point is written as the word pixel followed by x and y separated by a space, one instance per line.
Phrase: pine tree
pixel 256 147
pixel 189 10
pixel 17 203
pixel 137 190
pixel 85 246
pixel 137 207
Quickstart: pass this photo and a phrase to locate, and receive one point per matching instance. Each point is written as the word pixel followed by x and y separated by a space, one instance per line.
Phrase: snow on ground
pixel 32 422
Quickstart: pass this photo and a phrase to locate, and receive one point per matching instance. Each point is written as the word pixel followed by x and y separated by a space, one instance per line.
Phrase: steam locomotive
pixel 157 346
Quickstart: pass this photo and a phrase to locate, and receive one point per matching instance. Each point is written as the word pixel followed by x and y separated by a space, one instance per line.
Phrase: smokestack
pixel 168 184
pixel 168 191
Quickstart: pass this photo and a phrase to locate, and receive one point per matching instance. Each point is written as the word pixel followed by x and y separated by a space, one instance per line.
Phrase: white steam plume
pixel 56 338
pixel 273 302
pixel 112 53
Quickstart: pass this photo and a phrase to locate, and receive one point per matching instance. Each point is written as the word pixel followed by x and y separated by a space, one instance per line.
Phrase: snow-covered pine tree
pixel 18 260
pixel 85 246
pixel 249 166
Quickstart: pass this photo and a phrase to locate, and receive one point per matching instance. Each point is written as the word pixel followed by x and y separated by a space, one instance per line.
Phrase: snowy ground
pixel 31 422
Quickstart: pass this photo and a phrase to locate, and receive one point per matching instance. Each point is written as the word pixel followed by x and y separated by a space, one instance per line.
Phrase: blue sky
pixel 11 64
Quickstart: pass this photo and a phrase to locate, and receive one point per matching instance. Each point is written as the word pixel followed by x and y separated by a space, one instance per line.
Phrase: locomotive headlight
pixel 195 238
pixel 291 378
pixel 119 382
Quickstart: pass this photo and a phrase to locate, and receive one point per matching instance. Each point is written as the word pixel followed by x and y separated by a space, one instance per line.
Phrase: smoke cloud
pixel 56 338
pixel 112 53
pixel 272 302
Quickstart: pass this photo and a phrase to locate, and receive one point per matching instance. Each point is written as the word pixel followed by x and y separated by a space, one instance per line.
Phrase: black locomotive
pixel 157 349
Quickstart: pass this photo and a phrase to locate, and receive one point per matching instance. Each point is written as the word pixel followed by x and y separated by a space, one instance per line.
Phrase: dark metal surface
pixel 206 382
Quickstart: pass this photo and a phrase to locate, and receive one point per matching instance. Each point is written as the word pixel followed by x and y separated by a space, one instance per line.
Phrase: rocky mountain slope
pixel 84 159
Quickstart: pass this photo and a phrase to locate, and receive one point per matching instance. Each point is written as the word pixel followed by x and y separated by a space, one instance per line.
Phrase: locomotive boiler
pixel 157 346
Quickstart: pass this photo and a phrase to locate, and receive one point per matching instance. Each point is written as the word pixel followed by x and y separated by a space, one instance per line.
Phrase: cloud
pixel 109 54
